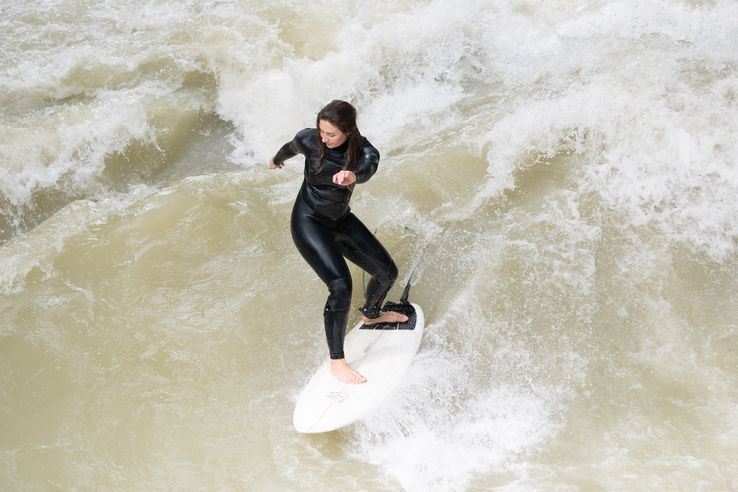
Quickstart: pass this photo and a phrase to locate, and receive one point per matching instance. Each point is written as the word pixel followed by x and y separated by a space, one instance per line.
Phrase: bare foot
pixel 344 373
pixel 385 317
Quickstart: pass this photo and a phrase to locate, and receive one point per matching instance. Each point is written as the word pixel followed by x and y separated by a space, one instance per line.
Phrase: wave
pixel 563 175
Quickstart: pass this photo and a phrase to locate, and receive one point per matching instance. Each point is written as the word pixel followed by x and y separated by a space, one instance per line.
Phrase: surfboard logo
pixel 337 396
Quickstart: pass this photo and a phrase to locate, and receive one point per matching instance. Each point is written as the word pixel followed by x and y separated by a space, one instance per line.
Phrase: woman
pixel 325 231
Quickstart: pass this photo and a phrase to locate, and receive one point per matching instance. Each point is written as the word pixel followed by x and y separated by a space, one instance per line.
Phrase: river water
pixel 562 174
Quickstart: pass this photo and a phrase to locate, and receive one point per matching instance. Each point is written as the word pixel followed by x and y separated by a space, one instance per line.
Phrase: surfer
pixel 325 231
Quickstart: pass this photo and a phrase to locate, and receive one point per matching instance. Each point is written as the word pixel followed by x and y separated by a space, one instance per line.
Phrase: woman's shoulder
pixel 307 140
pixel 368 150
pixel 306 135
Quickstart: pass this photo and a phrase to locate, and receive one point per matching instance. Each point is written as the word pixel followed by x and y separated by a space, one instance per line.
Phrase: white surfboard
pixel 382 355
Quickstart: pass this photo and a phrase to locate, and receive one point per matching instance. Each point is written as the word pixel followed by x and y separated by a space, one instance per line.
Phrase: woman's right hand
pixel 272 165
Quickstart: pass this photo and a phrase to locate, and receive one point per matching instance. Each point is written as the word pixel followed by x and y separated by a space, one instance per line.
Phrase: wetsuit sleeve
pixel 291 148
pixel 367 164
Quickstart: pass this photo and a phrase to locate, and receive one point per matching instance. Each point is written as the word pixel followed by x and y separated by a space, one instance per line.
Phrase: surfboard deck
pixel 382 353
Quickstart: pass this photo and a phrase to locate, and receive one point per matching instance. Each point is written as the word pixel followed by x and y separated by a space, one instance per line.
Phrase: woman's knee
pixel 388 274
pixel 392 272
pixel 339 297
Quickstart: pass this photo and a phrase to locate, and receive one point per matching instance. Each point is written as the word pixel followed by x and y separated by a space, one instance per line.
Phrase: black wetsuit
pixel 325 231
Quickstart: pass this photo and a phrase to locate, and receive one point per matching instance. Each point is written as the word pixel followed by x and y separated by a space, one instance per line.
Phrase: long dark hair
pixel 342 115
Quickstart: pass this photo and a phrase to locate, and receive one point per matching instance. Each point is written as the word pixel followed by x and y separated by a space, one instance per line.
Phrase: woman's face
pixel 331 136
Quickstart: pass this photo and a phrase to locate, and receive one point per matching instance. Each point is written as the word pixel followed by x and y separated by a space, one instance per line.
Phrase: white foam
pixel 399 73
pixel 659 104
pixel 651 118
pixel 76 147
pixel 444 445
pixel 86 85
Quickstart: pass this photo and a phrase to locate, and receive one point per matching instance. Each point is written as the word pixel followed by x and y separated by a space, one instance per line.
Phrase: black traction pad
pixel 404 308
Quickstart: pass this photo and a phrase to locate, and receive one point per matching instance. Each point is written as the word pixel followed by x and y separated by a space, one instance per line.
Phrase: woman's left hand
pixel 344 178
